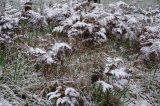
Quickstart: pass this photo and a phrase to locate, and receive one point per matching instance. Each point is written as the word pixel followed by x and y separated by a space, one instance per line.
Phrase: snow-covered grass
pixel 78 53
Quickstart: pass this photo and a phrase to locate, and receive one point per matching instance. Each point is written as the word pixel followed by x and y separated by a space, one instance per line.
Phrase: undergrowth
pixel 78 53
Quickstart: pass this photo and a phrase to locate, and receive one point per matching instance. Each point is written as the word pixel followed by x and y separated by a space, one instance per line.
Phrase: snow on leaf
pixel 53 95
pixel 154 48
pixel 120 3
pixel 58 29
pixel 71 92
pixel 59 100
pixel 57 47
pixel 118 86
pixel 154 29
pixel 50 60
pixel 38 50
pixel 69 21
pixel 123 82
pixel 132 20
pixel 101 36
pixel 119 72
pixel 80 24
pixel 104 85
pixel 66 100
pixel 91 15
pixel 31 50
pixel 74 32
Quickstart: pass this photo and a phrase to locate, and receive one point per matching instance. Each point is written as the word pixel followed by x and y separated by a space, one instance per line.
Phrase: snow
pixel 71 92
pixel 53 95
pixel 41 51
pixel 31 50
pixel 104 85
pixel 154 29
pixel 125 22
pixel 58 29
pixel 154 48
pixel 80 24
pixel 48 58
pixel 119 72
pixel 4 102
pixel 55 48
pixel 123 82
pixel 132 20
pixel 22 2
pixel 36 50
pixel 69 96
pixel 59 101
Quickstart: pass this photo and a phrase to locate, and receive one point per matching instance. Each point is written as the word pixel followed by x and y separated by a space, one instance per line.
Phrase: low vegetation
pixel 78 53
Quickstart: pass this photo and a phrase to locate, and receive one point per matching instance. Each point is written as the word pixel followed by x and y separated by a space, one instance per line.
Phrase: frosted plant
pixel 119 72
pixel 22 2
pixel 112 80
pixel 34 18
pixel 71 23
pixel 10 20
pixel 7 26
pixel 64 96
pixel 50 56
pixel 116 74
pixel 11 12
pixel 104 85
pixel 152 29
pixel 56 13
pixel 151 51
pixel 58 29
pixel 112 65
pixel 56 94
pixel 124 21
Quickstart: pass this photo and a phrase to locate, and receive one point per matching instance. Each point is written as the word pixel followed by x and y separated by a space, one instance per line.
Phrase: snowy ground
pixel 63 54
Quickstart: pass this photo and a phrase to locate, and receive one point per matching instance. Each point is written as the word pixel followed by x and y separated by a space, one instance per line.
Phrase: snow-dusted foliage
pixel 114 67
pixel 10 19
pixel 55 53
pixel 64 96
pixel 11 12
pixel 152 50
pixel 34 18
pixel 67 42
pixel 8 23
pixel 75 21
pixel 92 23
pixel 96 23
pixel 104 85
